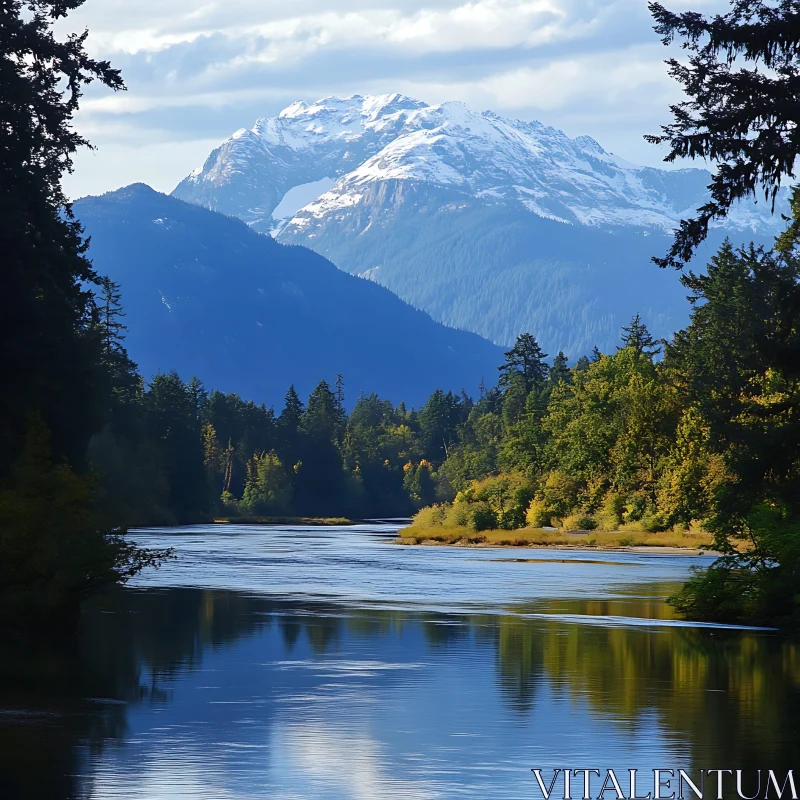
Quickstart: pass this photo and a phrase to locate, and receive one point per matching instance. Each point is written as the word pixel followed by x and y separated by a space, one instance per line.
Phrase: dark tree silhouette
pixel 526 360
pixel 49 342
pixel 743 83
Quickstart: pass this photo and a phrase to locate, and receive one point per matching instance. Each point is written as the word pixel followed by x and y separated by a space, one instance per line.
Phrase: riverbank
pixel 690 542
pixel 255 520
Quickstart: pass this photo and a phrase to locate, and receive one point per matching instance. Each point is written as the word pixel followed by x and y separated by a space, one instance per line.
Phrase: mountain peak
pixel 352 145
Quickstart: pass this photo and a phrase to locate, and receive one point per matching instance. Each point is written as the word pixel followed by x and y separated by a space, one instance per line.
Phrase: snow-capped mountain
pixel 394 189
pixel 299 153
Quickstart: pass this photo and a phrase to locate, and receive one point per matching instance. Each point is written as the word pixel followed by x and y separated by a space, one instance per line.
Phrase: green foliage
pixel 68 384
pixel 506 496
pixel 708 438
pixel 269 487
pixel 741 80
pixel 51 358
pixel 484 517
pixel 54 548
pixel 526 361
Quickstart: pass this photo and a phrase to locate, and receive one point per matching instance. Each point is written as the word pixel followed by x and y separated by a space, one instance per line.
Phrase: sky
pixel 197 71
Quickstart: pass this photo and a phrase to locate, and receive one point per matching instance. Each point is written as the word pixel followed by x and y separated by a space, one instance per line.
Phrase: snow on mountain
pixel 493 225
pixel 364 141
pixel 250 174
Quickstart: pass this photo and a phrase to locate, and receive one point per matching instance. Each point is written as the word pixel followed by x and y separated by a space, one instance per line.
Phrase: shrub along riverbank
pixel 691 541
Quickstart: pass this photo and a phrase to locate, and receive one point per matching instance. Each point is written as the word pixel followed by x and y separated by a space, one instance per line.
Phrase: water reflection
pixel 213 694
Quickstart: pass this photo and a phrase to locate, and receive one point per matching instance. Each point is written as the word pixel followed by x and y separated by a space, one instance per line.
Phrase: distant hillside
pixel 207 296
pixel 492 225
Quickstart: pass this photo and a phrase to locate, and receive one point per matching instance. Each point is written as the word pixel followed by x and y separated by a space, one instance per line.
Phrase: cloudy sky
pixel 196 71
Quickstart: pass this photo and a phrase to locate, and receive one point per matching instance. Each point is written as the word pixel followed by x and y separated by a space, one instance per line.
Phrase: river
pixel 298 663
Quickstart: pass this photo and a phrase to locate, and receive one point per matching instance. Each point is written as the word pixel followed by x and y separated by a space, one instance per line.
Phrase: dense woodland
pixel 700 430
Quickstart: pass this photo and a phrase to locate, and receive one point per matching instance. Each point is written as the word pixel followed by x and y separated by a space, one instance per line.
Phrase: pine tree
pixel 560 369
pixel 322 417
pixel 636 336
pixel 742 82
pixel 582 364
pixel 199 397
pixel 526 359
pixel 339 407
pixel 292 414
pixel 50 359
pixel 123 383
pixel 174 425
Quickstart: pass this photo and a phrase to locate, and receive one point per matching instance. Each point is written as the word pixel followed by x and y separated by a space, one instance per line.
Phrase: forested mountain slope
pixel 207 296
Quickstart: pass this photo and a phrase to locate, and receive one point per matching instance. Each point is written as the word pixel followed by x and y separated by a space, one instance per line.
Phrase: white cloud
pixel 197 73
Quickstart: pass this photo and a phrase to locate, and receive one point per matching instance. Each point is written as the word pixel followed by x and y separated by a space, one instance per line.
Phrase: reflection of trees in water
pixel 520 657
pixel 322 632
pixel 733 698
pixel 59 696
pixel 290 632
pixel 441 632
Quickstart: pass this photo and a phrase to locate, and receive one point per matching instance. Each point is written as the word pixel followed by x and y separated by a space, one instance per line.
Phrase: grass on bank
pixel 529 537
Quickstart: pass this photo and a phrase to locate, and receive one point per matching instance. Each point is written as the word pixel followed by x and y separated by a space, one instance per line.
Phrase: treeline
pixel 699 431
pixel 171 452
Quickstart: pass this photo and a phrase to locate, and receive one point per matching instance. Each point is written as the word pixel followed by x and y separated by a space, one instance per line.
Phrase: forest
pixel 695 432
pixel 701 430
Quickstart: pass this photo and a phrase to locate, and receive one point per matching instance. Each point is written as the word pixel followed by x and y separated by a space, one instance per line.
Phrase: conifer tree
pixel 560 369
pixel 292 414
pixel 582 364
pixel 51 353
pixel 636 336
pixel 121 378
pixel 322 417
pixel 526 359
pixel 742 80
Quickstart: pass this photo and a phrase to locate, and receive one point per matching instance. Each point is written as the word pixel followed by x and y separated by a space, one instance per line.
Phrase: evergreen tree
pixel 323 415
pixel 64 373
pixel 292 414
pixel 121 384
pixel 199 397
pixel 560 369
pixel 51 354
pixel 636 336
pixel 526 359
pixel 439 420
pixel 741 79
pixel 582 364
pixel 341 411
pixel 174 426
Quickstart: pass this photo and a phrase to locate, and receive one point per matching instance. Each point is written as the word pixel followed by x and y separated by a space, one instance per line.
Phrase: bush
pixel 539 515
pixel 718 594
pixel 484 517
pixel 430 516
pixel 610 516
pixel 54 549
pixel 230 504
pixel 458 515
pixel 754 586
pixel 579 522
pixel 508 496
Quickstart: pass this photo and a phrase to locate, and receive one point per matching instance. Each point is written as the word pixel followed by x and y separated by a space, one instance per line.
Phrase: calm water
pixel 326 664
